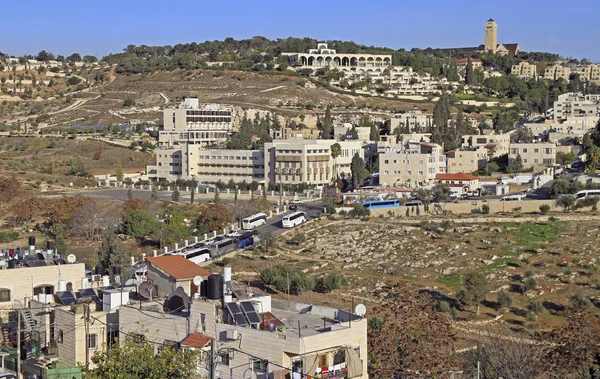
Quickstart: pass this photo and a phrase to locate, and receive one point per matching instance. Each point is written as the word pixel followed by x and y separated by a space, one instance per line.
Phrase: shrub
pixel 517 210
pixel 330 209
pixel 361 211
pixel 443 306
pixel 535 307
pixel 281 276
pixel 376 323
pixel 330 282
pixel 580 301
pixel 544 208
pixel 531 317
pixel 529 284
pixel 504 299
pixel 128 102
pixel 343 213
pixel 485 209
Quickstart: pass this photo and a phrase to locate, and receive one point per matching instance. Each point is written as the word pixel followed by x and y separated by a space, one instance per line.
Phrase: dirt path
pixel 272 89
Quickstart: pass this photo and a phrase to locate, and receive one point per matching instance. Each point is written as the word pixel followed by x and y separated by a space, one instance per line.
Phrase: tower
pixel 491 36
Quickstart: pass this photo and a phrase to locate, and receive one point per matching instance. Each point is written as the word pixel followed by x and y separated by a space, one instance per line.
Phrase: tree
pixel 327 125
pixel 475 290
pixel 330 282
pixel 73 80
pixel 353 133
pixel 470 77
pixel 139 223
pixel 336 151
pixel 136 359
pixel 215 217
pixel 175 195
pixel 75 57
pixel 441 192
pixel 111 251
pixel 119 171
pixel 374 133
pixel 516 165
pixel 92 219
pixel 504 299
pixel 361 211
pixel 544 209
pixel 44 56
pixel 565 158
pixel 358 170
pixel 284 278
pixel 10 189
pixel 566 201
pixel 580 302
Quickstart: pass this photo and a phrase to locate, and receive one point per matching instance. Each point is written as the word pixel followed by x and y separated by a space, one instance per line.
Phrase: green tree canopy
pixel 475 289
pixel 139 223
pixel 358 170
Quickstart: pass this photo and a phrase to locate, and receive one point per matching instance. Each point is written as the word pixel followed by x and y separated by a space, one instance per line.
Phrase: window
pixel 536 150
pixel 203 322
pixel 323 360
pixel 4 295
pixel 258 365
pixel 60 336
pixel 93 341
pixel 224 359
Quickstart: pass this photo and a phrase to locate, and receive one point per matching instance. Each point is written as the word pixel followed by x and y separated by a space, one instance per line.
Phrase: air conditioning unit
pixel 96 278
pixel 232 334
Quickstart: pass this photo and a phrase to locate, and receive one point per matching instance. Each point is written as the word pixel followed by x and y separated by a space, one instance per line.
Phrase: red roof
pixel 196 340
pixel 178 267
pixel 466 60
pixel 457 176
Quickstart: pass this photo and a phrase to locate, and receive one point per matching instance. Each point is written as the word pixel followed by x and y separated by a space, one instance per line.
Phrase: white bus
pixel 585 193
pixel 293 219
pixel 513 198
pixel 254 221
pixel 196 254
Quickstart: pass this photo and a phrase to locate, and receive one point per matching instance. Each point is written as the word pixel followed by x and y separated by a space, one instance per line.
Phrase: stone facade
pixel 534 155
pixel 411 164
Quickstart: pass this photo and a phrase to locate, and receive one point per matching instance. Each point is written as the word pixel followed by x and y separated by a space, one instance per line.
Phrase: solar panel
pixel 60 261
pixel 250 312
pixel 236 290
pixel 237 314
pixel 66 297
pixel 35 263
pixel 89 292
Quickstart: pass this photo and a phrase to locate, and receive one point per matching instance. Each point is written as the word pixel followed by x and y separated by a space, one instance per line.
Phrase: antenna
pixel 360 310
pixel 71 258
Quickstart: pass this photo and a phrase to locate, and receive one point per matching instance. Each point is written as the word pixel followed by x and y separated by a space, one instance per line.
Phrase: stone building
pixel 323 56
pixel 411 164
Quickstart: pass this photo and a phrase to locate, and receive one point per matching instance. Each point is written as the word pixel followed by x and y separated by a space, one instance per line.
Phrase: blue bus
pixel 247 239
pixel 376 204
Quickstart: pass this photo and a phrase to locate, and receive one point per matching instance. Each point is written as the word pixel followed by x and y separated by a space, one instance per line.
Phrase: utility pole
pixel 86 316
pixel 19 344
pixel 212 359
pixel 280 189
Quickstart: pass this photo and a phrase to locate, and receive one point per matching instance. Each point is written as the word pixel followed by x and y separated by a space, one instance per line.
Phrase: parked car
pixel 293 207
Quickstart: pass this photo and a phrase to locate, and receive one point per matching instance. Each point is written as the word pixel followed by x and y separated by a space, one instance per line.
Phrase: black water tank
pixel 12 263
pixel 50 245
pixel 31 240
pixel 117 269
pixel 99 270
pixel 203 288
pixel 215 287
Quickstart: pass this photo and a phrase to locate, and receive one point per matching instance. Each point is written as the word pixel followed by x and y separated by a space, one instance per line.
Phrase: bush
pixel 544 208
pixel 128 102
pixel 343 213
pixel 531 317
pixel 361 211
pixel 504 299
pixel 536 307
pixel 443 306
pixel 529 284
pixel 330 209
pixel 73 80
pixel 376 323
pixel 8 236
pixel 580 301
pixel 281 276
pixel 330 282
pixel 485 209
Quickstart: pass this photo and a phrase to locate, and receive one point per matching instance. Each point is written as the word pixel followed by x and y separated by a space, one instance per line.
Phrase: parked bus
pixel 196 254
pixel 375 204
pixel 293 219
pixel 223 247
pixel 248 238
pixel 585 193
pixel 513 198
pixel 254 221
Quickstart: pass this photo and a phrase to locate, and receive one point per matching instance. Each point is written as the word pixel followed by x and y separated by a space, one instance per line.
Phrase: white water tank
pixel 105 281
pixel 227 274
pixel 62 285
pixel 227 299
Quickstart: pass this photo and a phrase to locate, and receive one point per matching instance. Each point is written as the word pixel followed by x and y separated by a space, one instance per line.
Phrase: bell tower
pixel 491 36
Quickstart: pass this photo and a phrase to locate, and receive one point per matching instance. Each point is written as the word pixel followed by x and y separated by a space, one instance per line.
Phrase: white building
pixel 574 104
pixel 412 121
pixel 411 164
pixel 323 56
pixel 533 155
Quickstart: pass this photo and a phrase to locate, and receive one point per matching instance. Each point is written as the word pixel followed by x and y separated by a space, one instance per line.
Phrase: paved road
pixel 274 224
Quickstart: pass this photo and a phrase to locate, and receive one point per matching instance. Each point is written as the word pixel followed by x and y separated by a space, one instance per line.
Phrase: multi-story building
pixel 256 334
pixel 591 73
pixel 556 72
pixel 195 125
pixel 412 121
pixel 459 182
pixel 524 70
pixel 224 165
pixel 466 159
pixel 412 164
pixel 323 56
pixel 462 63
pixel 496 144
pixel 307 161
pixel 533 155
pixel 574 104
pixel 343 132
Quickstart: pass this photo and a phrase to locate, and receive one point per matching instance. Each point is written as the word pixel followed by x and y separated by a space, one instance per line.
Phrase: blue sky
pixel 569 28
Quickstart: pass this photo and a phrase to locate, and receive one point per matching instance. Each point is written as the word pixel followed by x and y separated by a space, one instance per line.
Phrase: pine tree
pixel 374 134
pixel 327 124
pixel 119 171
pixel 354 133
pixel 358 170
pixel 470 77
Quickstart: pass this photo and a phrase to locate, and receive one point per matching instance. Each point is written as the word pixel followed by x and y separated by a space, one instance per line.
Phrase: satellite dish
pixel 197 280
pixel 360 310
pixel 71 258
pixel 145 290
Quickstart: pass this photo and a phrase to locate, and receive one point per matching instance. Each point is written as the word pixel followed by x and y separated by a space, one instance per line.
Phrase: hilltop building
pixel 323 56
pixel 524 70
pixel 490 43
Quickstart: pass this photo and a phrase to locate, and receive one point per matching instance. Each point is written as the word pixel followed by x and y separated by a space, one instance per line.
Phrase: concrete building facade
pixel 412 164
pixel 412 121
pixel 533 155
pixel 556 72
pixel 466 159
pixel 574 104
pixel 496 144
pixel 524 70
pixel 323 56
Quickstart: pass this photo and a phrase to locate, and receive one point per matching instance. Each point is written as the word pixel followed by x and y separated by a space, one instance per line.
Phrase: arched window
pixel 4 295
pixel 69 286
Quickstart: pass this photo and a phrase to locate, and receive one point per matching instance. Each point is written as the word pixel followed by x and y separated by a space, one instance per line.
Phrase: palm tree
pixel 336 151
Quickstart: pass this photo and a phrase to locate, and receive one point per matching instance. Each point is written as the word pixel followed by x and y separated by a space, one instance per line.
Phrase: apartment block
pixel 591 73
pixel 307 161
pixel 190 123
pixel 556 72
pixel 411 164
pixel 412 121
pixel 466 159
pixel 343 132
pixel 533 155
pixel 496 144
pixel 524 70
pixel 574 104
